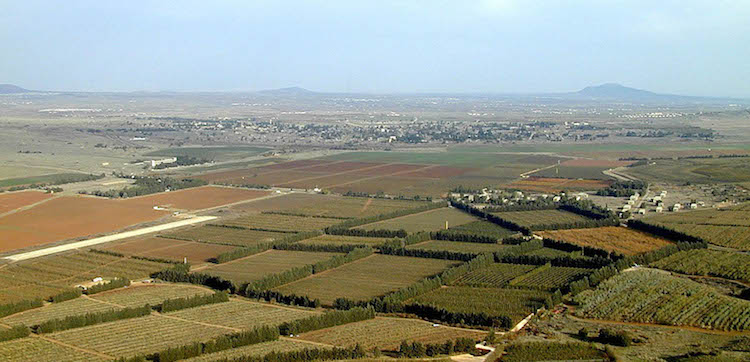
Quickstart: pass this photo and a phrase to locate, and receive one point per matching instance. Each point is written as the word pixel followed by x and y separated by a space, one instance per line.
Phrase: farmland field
pixel 13 200
pixel 541 217
pixel 575 172
pixel 649 296
pixel 551 185
pixel 461 247
pixel 483 228
pixel 551 351
pixel 705 170
pixel 387 333
pixel 37 349
pixel 169 249
pixel 284 203
pixel 44 277
pixel 64 309
pixel 135 336
pixel 259 265
pixel 554 253
pixel 243 314
pixel 611 238
pixel 726 227
pixel 152 294
pixel 51 179
pixel 284 223
pixel 708 262
pixel 550 277
pixel 223 153
pixel 197 197
pixel 353 207
pixel 214 234
pixel 84 216
pixel 254 350
pixel 432 220
pixel 343 240
pixel 496 275
pixel 514 303
pixel 366 278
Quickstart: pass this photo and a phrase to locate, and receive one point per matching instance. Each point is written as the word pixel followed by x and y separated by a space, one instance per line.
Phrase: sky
pixel 386 46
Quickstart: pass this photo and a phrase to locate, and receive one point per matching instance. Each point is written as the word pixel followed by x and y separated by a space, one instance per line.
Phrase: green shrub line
pixel 107 252
pixel 379 233
pixel 238 227
pixel 371 219
pixel 251 250
pixel 285 213
pixel 419 350
pixel 664 231
pixel 69 294
pixel 15 332
pixel 112 284
pixel 155 260
pixel 307 354
pixel 326 320
pixel 77 321
pixel 17 307
pixel 174 304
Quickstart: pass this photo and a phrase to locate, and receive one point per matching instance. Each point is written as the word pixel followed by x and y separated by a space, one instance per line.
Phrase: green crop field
pixel 496 275
pixel 553 253
pixel 708 262
pixel 254 350
pixel 130 337
pixel 224 153
pixel 354 207
pixel 39 350
pixel 387 333
pixel 366 278
pixel 243 314
pixel 462 247
pixel 574 172
pixel 432 220
pixel 284 223
pixel 726 227
pixel 64 309
pixel 483 228
pixel 514 303
pixel 549 277
pixel 152 294
pixel 225 236
pixel 259 265
pixel 53 179
pixel 649 296
pixel 343 240
pixel 541 217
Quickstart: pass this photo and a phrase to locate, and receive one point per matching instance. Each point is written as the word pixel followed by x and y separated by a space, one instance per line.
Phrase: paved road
pixel 108 238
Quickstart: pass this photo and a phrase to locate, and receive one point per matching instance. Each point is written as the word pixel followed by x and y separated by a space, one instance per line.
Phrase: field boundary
pixel 106 239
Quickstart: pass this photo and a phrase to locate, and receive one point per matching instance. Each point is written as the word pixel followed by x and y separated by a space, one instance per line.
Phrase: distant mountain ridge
pixel 12 89
pixel 618 91
pixel 289 91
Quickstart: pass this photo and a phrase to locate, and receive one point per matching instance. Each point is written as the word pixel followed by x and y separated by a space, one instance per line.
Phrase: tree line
pixel 77 321
pixel 20 306
pixel 254 249
pixel 419 350
pixel 351 193
pixel 326 320
pixel 112 284
pixel 664 231
pixel 146 185
pixel 623 188
pixel 307 354
pixel 381 233
pixel 371 219
pixel 68 294
pixel 180 273
pixel 14 332
pixel 585 250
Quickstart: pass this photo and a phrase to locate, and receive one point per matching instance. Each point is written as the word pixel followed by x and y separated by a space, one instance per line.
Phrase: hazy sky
pixel 683 47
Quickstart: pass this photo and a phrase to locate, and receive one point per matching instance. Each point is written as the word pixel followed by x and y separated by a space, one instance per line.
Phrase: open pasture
pixel 496 275
pixel 84 216
pixel 611 238
pixel 163 248
pixel 13 200
pixel 483 228
pixel 455 246
pixel 366 278
pixel 282 223
pixel 387 333
pixel 514 303
pixel 432 220
pixel 549 277
pixel 214 234
pixel 143 335
pixel 37 349
pixel 352 207
pixel 197 198
pixel 540 217
pixel 652 296
pixel 257 266
pixel 47 276
pixel 152 294
pixel 243 314
pixel 254 350
pixel 715 263
pixel 343 240
pixel 553 185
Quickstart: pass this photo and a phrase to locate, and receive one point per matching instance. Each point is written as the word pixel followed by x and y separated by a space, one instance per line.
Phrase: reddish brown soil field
pixel 389 169
pixel 12 200
pixel 547 184
pixel 341 167
pixel 197 198
pixel 437 172
pixel 70 217
pixel 156 247
pixel 286 202
pixel 582 162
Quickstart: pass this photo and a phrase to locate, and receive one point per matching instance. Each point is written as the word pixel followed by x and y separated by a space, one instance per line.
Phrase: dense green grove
pixel 325 320
pixel 418 350
pixel 623 189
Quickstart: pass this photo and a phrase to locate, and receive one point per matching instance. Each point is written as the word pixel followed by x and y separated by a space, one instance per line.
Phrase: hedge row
pixel 286 213
pixel 277 297
pixel 174 304
pixel 664 231
pixel 380 233
pixel 307 354
pixel 66 295
pixel 418 350
pixel 180 273
pixel 14 332
pixel 325 320
pixel 462 237
pixel 17 307
pixel 247 251
pixel 369 220
pixel 112 284
pixel 432 254
pixel 586 250
pixel 88 319
pixel 474 319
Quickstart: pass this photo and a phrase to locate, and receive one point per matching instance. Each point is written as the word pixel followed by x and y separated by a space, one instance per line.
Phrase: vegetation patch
pixel 611 238
pixel 715 263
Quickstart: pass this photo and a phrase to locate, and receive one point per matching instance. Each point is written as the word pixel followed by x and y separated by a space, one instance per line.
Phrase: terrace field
pixel 169 249
pixel 651 296
pixel 431 220
pixel 455 246
pixel 215 234
pixel 387 333
pixel 541 217
pixel 621 240
pixel 708 262
pixel 366 278
pixel 243 314
pixel 257 266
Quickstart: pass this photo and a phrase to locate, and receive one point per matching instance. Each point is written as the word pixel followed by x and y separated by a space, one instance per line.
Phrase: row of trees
pixel 462 237
pixel 180 273
pixel 278 297
pixel 567 261
pixel 20 306
pixel 585 250
pixel 67 294
pixel 623 188
pixel 325 320
pixel 14 332
pixel 368 220
pixel 307 354
pixel 464 318
pixel 77 321
pixel 257 248
pixel 425 253
pixel 302 214
pixel 664 231
pixel 112 284
pixel 146 185
pixel 381 233
pixel 419 350
pixel 381 195
pixel 174 304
